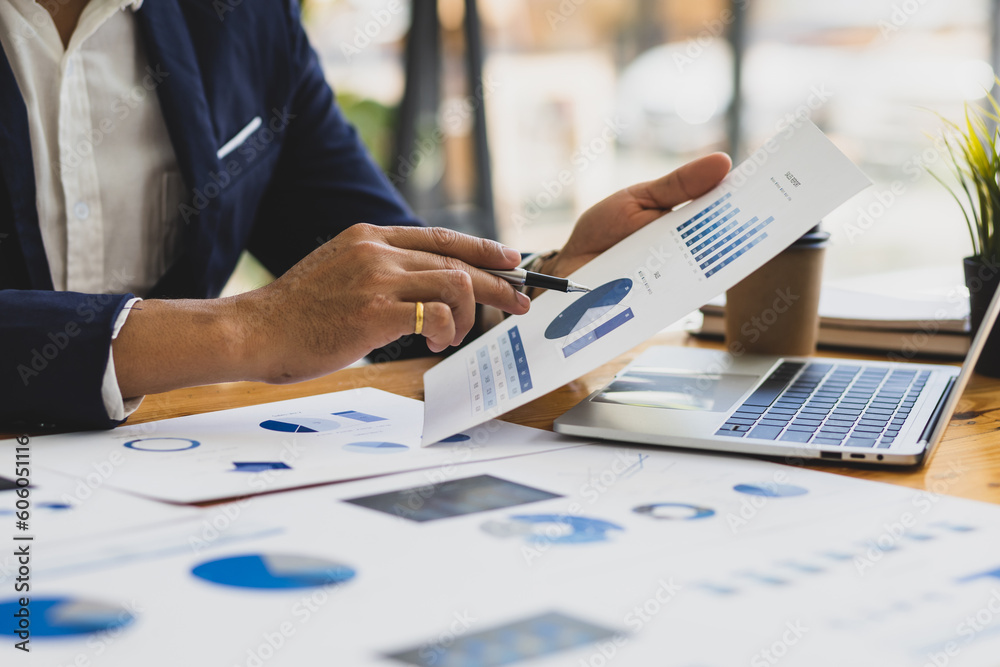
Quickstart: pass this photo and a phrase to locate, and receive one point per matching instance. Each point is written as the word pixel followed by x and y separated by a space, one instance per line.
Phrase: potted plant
pixel 975 164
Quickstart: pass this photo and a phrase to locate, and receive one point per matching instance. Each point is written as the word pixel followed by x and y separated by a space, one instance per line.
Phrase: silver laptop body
pixel 850 410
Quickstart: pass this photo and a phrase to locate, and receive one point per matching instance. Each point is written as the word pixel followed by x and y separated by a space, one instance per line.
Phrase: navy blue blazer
pixel 300 179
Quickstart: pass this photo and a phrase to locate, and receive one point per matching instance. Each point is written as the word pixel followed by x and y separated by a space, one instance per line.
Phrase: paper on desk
pixel 329 438
pixel 645 543
pixel 651 279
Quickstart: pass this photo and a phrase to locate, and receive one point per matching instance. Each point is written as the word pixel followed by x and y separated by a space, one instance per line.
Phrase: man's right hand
pixel 359 292
pixel 354 294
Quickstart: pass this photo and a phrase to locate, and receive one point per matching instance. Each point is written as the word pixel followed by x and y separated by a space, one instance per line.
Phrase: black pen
pixel 540 280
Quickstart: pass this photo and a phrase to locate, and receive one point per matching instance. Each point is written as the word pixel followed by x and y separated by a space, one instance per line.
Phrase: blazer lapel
pixel 172 58
pixel 181 94
pixel 18 172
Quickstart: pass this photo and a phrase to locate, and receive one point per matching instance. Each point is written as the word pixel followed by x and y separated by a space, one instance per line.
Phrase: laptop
pixel 850 410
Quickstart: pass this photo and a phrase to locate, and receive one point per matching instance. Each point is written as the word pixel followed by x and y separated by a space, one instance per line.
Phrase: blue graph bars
pixel 598 332
pixel 715 237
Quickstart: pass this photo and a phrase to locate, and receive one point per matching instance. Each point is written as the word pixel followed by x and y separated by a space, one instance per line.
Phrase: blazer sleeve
pixel 325 180
pixel 55 347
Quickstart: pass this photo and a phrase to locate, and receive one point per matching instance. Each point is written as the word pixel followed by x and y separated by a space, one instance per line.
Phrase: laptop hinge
pixel 936 415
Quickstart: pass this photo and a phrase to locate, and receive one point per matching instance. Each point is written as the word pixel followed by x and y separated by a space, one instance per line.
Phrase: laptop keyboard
pixel 829 404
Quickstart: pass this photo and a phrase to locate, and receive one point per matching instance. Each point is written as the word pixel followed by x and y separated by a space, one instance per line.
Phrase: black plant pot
pixel 982 278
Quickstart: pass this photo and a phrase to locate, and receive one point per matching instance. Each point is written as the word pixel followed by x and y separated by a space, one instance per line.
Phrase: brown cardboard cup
pixel 775 310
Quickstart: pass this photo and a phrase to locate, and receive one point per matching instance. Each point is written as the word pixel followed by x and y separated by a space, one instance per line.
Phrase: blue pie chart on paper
pixel 375 447
pixel 162 444
pixel 64 617
pixel 300 425
pixel 771 490
pixel 674 511
pixel 268 571
pixel 588 308
pixel 553 528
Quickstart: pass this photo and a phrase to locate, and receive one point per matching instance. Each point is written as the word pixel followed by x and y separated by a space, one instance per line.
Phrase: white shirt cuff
pixel 117 407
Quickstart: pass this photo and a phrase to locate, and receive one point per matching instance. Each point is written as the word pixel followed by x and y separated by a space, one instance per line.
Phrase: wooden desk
pixel 966 464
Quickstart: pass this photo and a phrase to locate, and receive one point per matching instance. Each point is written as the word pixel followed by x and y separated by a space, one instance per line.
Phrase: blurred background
pixel 582 97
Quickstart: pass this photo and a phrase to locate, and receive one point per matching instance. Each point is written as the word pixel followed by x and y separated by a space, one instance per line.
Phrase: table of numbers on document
pixel 498 372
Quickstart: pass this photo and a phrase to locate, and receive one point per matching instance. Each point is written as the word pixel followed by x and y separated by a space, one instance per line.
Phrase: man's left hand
pixel 611 220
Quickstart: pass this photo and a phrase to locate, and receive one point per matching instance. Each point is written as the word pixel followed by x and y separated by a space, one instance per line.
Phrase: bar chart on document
pixel 717 235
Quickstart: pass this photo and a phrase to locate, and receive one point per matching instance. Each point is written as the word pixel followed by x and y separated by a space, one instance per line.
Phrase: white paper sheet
pixel 232 453
pixel 63 510
pixel 865 573
pixel 644 283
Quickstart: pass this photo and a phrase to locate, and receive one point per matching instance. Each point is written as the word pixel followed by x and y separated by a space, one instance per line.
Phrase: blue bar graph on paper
pixel 724 242
pixel 703 212
pixel 706 222
pixel 723 225
pixel 359 416
pixel 486 375
pixel 509 366
pixel 718 267
pixel 520 360
pixel 598 332
pixel 730 245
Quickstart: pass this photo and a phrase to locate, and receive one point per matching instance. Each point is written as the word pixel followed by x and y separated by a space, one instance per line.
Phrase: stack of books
pixel 862 315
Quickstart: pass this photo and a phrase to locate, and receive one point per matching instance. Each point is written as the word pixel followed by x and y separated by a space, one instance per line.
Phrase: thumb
pixel 684 183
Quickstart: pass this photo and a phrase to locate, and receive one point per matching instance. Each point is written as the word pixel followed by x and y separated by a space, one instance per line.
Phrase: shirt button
pixel 81 210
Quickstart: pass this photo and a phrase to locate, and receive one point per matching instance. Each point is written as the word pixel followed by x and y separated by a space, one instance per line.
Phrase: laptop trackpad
pixel 677 389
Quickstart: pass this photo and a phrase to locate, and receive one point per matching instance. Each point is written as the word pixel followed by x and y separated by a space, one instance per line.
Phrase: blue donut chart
pixel 771 490
pixel 273 571
pixel 588 308
pixel 64 617
pixel 674 511
pixel 135 444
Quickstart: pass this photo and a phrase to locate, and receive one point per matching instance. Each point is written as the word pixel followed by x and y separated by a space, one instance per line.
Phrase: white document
pixel 683 559
pixel 313 440
pixel 651 279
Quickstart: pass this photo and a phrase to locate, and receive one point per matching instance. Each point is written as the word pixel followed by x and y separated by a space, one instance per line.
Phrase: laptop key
pixel 860 442
pixel 739 420
pixel 802 427
pixel 807 422
pixel 774 422
pixel 765 432
pixel 737 434
pixel 826 441
pixel 868 429
pixel 834 429
pixel 796 436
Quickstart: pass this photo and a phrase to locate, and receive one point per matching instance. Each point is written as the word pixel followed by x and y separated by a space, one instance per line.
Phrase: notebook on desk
pixel 876 412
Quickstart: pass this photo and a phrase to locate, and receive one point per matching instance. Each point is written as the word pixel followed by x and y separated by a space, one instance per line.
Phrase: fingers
pixel 452 289
pixel 481 253
pixel 439 325
pixel 486 288
pixel 684 183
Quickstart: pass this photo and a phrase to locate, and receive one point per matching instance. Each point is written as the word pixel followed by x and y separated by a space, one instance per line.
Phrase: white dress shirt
pixel 107 183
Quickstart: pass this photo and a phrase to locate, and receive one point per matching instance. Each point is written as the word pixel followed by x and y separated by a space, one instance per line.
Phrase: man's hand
pixel 611 220
pixel 359 292
pixel 355 293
